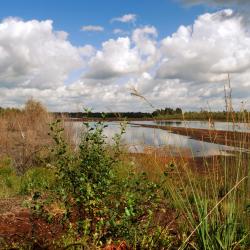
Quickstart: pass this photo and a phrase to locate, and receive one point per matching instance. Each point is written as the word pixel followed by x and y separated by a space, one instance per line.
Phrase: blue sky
pixel 70 16
pixel 75 54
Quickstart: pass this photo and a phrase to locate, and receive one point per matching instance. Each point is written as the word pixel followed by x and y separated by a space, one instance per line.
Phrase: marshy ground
pixel 57 195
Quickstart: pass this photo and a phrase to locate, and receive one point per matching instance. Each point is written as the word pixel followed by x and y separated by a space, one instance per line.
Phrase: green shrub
pixel 83 177
pixel 37 179
pixel 5 162
pixel 9 181
pixel 108 208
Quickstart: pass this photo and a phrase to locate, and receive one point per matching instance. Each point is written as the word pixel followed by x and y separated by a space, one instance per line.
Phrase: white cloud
pixel 115 59
pixel 32 54
pixel 144 38
pixel 92 28
pixel 215 45
pixel 187 69
pixel 127 18
pixel 117 31
pixel 87 50
pixel 120 32
pixel 124 56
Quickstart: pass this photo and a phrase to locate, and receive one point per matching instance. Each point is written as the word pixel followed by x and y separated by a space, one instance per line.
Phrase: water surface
pixel 228 126
pixel 140 139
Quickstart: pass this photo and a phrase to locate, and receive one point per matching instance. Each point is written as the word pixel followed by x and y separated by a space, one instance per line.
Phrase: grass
pixel 9 182
pixel 105 196
pixel 33 180
pixel 24 135
pixel 215 218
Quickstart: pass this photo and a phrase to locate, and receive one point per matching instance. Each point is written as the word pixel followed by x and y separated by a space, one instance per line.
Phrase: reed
pixel 24 135
pixel 161 198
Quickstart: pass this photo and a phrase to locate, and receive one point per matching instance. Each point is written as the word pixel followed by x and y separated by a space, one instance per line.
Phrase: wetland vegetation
pixel 57 192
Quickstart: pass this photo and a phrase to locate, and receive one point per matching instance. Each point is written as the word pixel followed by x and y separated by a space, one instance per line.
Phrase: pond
pixel 227 126
pixel 141 139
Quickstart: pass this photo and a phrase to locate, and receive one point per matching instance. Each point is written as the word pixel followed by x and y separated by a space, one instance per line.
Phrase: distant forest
pixel 165 113
pixel 158 112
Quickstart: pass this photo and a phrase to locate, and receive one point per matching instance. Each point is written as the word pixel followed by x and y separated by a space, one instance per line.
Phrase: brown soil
pixel 20 229
pixel 19 226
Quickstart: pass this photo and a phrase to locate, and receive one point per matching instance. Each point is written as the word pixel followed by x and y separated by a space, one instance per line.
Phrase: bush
pixel 108 208
pixel 9 181
pixel 37 180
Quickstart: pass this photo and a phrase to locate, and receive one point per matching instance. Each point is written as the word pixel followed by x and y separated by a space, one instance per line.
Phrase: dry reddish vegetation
pixel 140 191
pixel 156 162
pixel 20 226
pixel 24 134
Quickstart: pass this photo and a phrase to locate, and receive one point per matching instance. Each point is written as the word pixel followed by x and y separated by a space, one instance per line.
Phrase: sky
pixel 76 54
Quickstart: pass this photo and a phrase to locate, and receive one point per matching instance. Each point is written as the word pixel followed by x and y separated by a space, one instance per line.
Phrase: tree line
pixel 163 113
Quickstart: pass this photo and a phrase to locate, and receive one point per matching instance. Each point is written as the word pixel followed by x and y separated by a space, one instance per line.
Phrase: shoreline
pixel 85 119
pixel 228 138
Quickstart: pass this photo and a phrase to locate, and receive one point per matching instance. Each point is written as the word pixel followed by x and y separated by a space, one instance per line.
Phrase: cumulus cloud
pixel 116 58
pixel 127 18
pixel 32 54
pixel 188 68
pixel 215 45
pixel 124 55
pixel 87 50
pixel 144 38
pixel 92 28
pixel 241 7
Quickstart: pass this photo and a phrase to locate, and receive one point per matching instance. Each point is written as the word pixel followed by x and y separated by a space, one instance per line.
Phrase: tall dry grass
pixel 213 202
pixel 24 135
